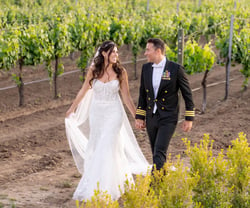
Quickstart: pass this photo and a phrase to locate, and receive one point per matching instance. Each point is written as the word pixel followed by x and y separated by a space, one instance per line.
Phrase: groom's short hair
pixel 158 43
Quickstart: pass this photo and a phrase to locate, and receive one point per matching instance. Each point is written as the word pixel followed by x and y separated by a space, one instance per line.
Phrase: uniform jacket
pixel 173 79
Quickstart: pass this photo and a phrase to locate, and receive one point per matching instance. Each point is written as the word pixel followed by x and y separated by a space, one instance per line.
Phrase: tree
pixel 196 60
pixel 134 37
pixel 59 41
pixel 26 46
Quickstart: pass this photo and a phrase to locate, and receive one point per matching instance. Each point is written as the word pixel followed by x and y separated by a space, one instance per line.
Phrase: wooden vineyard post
pixel 180 57
pixel 229 57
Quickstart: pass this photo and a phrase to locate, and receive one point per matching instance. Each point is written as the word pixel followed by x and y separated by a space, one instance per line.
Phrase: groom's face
pixel 151 52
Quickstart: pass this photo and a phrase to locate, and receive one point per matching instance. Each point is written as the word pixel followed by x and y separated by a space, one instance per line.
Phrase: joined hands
pixel 140 124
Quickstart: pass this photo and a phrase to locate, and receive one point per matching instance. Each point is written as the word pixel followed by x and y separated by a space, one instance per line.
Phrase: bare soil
pixel 36 165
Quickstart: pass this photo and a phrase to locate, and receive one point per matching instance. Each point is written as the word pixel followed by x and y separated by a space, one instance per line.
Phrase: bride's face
pixel 113 57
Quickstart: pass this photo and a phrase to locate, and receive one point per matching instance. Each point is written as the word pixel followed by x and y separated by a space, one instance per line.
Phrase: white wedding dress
pixel 102 143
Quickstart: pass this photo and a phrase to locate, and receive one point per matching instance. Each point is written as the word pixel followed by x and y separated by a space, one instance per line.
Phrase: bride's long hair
pixel 98 62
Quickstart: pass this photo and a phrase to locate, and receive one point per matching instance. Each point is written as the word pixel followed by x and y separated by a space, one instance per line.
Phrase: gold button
pixel 149 98
pixel 162 108
pixel 147 90
pixel 166 91
pixel 140 107
pixel 163 99
pixel 149 107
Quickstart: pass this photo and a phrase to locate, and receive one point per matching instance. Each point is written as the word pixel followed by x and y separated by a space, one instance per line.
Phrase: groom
pixel 158 107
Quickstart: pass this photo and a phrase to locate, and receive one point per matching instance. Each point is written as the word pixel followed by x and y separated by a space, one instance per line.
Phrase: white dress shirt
pixel 156 78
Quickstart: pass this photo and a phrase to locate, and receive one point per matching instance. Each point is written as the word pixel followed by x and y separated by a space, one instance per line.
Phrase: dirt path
pixel 37 169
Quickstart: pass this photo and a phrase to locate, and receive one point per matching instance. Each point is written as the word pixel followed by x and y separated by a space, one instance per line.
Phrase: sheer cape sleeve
pixel 77 130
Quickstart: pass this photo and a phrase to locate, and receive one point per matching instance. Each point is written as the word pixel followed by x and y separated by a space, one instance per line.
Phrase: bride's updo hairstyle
pixel 98 63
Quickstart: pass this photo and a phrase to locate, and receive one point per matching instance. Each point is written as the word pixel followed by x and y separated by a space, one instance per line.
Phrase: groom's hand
pixel 187 126
pixel 140 124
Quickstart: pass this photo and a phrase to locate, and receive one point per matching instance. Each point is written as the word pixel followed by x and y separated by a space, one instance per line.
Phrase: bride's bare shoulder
pixel 124 73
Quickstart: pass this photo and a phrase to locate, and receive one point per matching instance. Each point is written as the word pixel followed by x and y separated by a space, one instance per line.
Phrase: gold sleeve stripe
pixel 189 113
pixel 138 111
pixel 141 112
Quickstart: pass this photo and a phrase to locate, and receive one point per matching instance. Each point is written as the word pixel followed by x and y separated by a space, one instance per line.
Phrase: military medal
pixel 166 75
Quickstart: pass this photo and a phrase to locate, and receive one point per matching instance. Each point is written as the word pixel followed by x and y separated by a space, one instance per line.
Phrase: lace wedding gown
pixel 102 142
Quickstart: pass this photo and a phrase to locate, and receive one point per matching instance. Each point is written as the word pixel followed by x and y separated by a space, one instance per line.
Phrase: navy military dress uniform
pixel 162 123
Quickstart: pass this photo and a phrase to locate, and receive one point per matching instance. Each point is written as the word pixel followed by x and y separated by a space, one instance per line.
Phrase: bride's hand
pixel 68 113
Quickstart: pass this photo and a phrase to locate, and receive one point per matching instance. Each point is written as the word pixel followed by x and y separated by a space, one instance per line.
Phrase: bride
pixel 101 139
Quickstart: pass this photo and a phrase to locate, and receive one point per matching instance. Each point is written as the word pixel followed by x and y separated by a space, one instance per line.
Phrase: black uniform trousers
pixel 160 131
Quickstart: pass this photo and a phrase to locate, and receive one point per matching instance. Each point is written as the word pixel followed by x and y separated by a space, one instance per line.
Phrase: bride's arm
pixel 85 87
pixel 125 93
